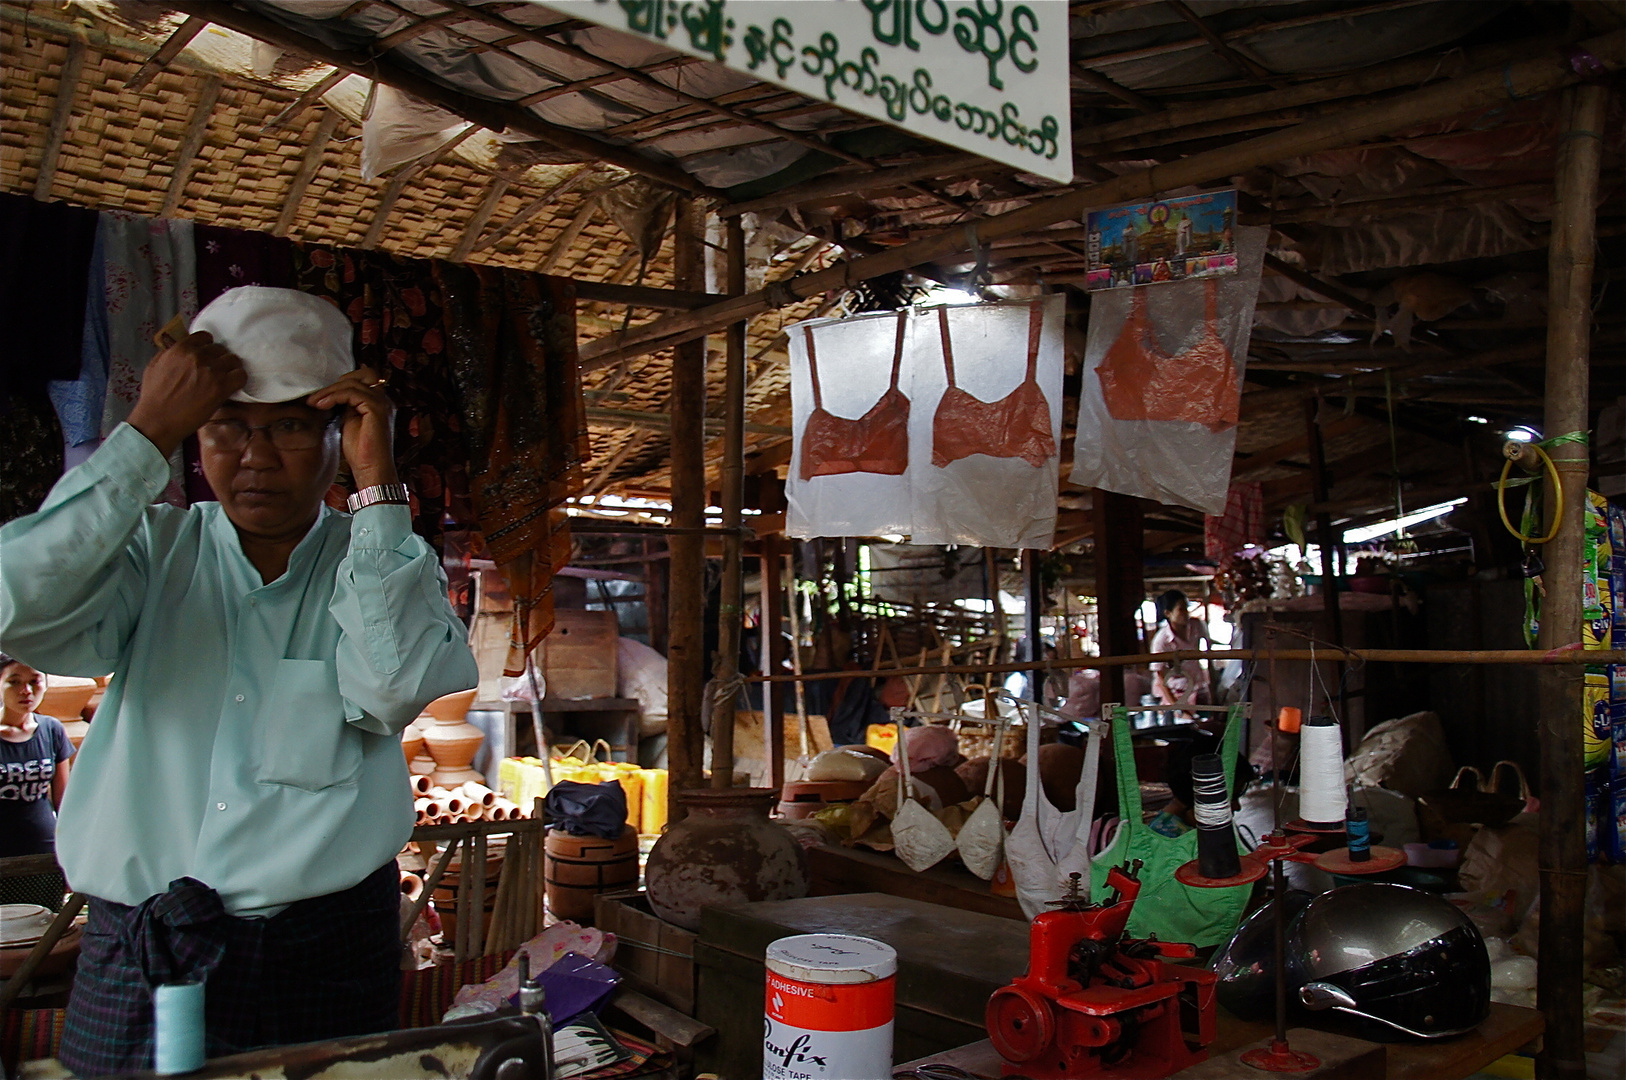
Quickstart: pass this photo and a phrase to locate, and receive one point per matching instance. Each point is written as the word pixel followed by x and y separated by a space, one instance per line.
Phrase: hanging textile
pixel 228 258
pixel 1242 524
pixel 45 248
pixel 31 447
pixel 400 332
pixel 151 270
pixel 938 424
pixel 1162 384
pixel 511 339
pixel 79 402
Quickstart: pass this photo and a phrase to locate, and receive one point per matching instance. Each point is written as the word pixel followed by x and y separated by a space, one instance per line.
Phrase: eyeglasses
pixel 289 433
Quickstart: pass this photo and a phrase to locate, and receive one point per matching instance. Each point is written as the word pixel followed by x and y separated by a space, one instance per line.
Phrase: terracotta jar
pixel 725 852
pixel 411 741
pixel 451 740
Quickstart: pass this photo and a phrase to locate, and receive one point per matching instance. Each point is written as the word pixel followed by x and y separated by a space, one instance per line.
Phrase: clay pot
pixel 451 709
pixel 77 730
pixel 451 741
pixel 578 868
pixel 411 741
pixel 725 852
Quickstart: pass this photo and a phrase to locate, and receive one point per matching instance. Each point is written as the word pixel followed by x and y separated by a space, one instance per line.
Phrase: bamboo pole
pixel 1563 811
pixel 1565 657
pixel 1349 127
pixel 732 478
pixel 686 610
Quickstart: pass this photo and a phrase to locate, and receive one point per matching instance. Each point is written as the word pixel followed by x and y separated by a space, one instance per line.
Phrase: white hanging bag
pixel 920 840
pixel 982 837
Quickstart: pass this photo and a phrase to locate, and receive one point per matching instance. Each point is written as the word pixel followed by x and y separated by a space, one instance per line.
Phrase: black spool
pixel 1211 806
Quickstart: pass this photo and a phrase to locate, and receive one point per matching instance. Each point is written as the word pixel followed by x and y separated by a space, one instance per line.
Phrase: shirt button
pixel 220 806
pixel 239 698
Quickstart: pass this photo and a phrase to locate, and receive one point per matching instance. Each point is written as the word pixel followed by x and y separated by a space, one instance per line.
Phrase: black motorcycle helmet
pixel 1401 962
pixel 1247 965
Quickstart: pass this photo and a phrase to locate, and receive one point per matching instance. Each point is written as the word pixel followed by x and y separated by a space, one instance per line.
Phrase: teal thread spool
pixel 177 1029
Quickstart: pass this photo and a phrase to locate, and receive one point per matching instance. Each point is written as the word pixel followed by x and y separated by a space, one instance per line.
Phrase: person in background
pixel 1186 683
pixel 239 802
pixel 34 753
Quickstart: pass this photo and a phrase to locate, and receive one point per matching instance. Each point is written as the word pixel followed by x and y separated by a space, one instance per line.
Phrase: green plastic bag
pixel 1172 911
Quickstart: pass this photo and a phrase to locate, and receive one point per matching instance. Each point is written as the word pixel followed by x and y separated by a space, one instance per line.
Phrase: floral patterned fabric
pixel 512 345
pixel 395 304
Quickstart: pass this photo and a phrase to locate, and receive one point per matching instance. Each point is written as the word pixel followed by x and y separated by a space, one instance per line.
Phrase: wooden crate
pixel 579 656
pixel 656 957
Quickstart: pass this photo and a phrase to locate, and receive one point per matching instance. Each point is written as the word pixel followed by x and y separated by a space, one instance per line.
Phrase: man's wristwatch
pixel 385 494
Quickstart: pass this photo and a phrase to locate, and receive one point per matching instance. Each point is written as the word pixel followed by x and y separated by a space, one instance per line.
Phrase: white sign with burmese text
pixel 986 76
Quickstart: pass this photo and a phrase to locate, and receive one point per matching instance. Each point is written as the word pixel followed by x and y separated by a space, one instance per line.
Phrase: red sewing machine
pixel 1096 1004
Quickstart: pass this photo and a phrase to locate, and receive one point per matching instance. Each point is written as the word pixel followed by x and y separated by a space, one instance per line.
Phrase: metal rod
pixel 1566 657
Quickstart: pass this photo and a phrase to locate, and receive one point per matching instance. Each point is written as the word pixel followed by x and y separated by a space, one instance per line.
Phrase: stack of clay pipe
pixel 466 802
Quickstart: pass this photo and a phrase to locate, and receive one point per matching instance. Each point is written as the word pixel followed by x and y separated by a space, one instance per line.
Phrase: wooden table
pixel 834 870
pixel 1505 1030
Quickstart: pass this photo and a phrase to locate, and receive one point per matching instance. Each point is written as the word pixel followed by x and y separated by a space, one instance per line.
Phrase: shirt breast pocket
pixel 304 739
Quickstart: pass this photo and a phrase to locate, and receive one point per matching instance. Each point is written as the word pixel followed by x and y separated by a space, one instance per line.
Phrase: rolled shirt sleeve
pixel 401 644
pixel 72 574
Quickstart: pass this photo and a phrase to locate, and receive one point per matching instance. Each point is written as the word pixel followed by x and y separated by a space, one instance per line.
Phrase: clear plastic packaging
pixel 981 462
pixel 1162 384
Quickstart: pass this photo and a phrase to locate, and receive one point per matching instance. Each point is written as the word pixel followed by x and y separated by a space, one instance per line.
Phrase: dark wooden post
pixel 773 656
pixel 1120 581
pixel 732 478
pixel 1563 806
pixel 1033 600
pixel 685 636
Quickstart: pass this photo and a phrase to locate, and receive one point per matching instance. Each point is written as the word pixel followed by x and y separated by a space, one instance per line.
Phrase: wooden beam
pixel 850 183
pixel 661 421
pixel 495 115
pixel 1562 841
pixel 643 296
pixel 1120 580
pixel 1248 68
pixel 534 207
pixel 1372 80
pixel 1348 128
pixel 1263 459
pixel 561 246
pixel 482 214
pixel 166 52
pixel 308 165
pixel 186 159
pixel 305 100
pixel 731 475
pixel 398 185
pixel 686 602
pixel 1097 81
pixel 67 86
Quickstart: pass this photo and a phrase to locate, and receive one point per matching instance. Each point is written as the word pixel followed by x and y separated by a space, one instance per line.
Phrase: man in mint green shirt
pixel 240 799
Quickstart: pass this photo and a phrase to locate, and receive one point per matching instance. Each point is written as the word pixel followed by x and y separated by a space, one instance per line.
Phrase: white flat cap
pixel 291 343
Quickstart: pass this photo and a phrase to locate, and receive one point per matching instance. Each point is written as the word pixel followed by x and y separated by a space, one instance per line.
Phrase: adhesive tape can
pixel 829 1008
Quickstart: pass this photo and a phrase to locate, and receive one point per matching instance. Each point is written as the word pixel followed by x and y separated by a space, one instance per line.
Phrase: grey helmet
pixel 1400 961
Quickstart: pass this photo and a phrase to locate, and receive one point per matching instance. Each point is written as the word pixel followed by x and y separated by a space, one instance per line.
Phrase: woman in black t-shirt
pixel 34 753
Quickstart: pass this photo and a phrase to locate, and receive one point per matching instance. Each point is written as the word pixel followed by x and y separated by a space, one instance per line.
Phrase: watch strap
pixel 378 494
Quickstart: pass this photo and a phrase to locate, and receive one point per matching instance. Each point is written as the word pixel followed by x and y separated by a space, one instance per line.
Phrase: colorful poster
pixel 1147 243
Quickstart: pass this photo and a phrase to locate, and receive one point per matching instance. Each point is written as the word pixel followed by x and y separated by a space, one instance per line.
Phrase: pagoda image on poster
pixel 1147 243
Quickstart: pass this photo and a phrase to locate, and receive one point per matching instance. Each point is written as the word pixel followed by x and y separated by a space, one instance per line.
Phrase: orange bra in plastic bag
pixel 877 442
pixel 1139 381
pixel 1017 425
